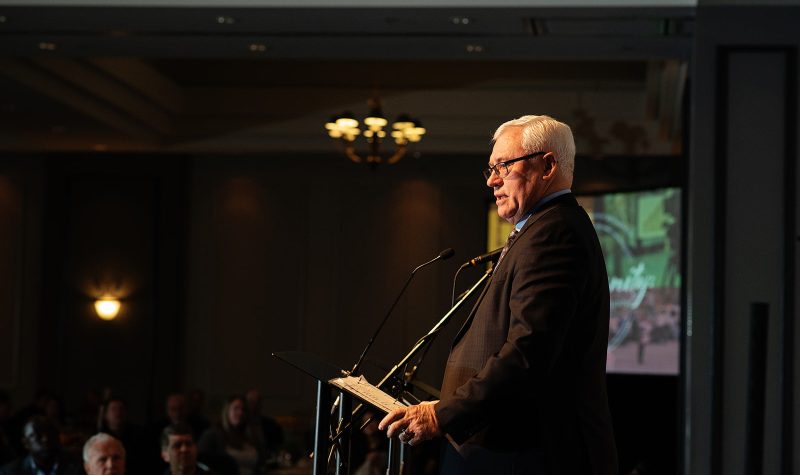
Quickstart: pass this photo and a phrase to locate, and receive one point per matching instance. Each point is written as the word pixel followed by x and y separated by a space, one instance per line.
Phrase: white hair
pixel 97 438
pixel 544 133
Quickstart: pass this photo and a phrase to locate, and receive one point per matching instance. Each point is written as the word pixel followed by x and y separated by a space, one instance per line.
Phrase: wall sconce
pixel 107 308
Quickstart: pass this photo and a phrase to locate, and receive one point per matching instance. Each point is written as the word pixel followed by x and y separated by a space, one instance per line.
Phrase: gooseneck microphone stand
pixel 419 345
pixel 340 443
pixel 446 254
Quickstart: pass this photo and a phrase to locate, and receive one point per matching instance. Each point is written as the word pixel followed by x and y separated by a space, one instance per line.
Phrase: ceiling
pixel 264 80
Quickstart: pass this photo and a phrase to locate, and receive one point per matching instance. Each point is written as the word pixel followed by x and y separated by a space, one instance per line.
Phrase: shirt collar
pixel 38 471
pixel 538 205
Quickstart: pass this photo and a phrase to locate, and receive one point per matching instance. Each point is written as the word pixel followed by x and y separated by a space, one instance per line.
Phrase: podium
pixel 330 378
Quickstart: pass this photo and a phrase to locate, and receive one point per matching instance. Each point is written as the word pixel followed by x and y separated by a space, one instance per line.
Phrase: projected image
pixel 640 235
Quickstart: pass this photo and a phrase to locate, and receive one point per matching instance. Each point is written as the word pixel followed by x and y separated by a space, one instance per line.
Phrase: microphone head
pixel 447 253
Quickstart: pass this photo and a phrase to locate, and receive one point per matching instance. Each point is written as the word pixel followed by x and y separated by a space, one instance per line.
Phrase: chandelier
pixel 345 128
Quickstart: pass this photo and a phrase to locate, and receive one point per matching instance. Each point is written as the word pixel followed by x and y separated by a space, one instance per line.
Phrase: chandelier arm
pixel 350 151
pixel 398 154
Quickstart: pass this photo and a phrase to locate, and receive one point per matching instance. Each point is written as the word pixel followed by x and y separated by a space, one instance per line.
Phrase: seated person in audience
pixel 270 429
pixel 368 452
pixel 195 403
pixel 175 408
pixel 142 452
pixel 179 450
pixel 40 439
pixel 175 412
pixel 233 438
pixel 103 455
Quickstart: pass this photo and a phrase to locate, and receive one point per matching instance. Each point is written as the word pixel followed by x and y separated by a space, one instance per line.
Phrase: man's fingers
pixel 395 428
pixel 391 417
pixel 412 425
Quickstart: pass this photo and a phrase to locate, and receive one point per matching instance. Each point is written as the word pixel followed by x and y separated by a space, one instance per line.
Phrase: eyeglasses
pixel 502 168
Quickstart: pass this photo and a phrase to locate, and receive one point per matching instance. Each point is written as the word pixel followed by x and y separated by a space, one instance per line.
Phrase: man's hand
pixel 412 424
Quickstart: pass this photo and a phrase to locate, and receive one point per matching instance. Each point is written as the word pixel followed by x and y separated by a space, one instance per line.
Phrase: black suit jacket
pixel 527 369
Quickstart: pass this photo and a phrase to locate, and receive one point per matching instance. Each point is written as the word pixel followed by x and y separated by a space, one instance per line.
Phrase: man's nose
pixel 494 180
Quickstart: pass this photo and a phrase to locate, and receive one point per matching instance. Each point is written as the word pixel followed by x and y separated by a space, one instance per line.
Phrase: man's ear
pixel 165 456
pixel 550 166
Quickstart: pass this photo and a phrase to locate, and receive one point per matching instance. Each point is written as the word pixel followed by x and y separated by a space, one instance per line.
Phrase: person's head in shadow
pixel 176 408
pixel 234 415
pixel 40 439
pixel 179 450
pixel 113 417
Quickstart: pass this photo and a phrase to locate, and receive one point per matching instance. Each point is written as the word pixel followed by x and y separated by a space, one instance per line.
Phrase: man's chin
pixel 506 215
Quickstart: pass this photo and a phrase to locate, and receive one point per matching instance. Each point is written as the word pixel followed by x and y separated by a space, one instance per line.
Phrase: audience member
pixel 196 403
pixel 176 408
pixel 175 412
pixel 53 409
pixel 23 415
pixel 40 439
pixel 142 452
pixel 179 450
pixel 233 438
pixel 270 429
pixel 369 447
pixel 87 414
pixel 103 455
pixel 36 407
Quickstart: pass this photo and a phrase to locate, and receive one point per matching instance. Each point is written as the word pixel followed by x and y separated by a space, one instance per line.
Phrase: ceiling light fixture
pixel 404 130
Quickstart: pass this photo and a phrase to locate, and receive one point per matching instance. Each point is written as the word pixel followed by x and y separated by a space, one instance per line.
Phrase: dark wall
pixel 219 261
pixel 20 272
pixel 309 253
pixel 113 225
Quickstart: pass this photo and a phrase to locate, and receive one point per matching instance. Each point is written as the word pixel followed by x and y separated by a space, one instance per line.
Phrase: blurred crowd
pixel 43 438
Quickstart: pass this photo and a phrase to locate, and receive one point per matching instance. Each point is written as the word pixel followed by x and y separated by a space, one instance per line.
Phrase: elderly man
pixel 103 455
pixel 524 389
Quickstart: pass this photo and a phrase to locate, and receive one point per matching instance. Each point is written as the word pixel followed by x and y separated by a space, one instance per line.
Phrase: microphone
pixel 489 256
pixel 447 253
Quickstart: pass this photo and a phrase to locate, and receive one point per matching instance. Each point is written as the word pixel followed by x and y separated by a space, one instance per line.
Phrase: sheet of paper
pixel 362 389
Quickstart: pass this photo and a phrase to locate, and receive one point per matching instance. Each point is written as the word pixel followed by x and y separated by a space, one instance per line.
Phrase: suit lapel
pixel 466 323
pixel 531 221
